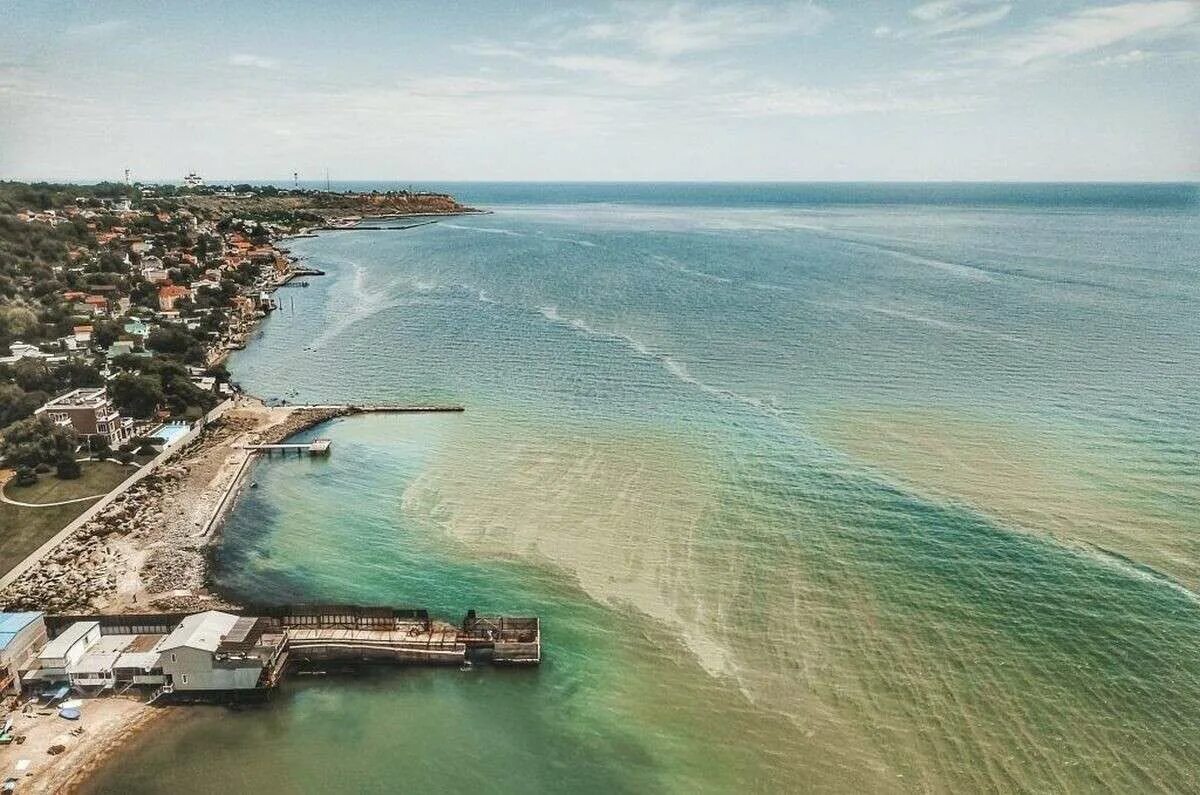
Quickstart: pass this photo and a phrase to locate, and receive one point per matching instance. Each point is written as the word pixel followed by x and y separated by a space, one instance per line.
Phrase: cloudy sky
pixel 831 90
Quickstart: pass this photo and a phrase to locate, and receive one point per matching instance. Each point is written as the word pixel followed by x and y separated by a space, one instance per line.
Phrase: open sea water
pixel 831 488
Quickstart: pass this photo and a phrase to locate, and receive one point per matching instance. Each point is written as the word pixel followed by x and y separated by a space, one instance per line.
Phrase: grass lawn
pixel 23 530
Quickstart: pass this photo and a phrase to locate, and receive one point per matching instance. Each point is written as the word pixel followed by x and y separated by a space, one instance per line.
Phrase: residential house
pixel 21 635
pixel 23 350
pixel 156 274
pixel 204 284
pixel 91 414
pixel 95 305
pixel 120 348
pixel 169 294
pixel 137 328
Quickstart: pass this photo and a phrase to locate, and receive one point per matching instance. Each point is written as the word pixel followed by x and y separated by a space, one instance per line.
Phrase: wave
pixel 491 230
pixel 585 243
pixel 669 364
pixel 1132 568
pixel 938 323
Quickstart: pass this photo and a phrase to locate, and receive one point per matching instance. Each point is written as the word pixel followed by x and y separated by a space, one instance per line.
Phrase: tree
pixel 68 468
pixel 75 374
pixel 34 375
pixel 169 340
pixel 136 395
pixel 17 404
pixel 36 440
pixel 106 332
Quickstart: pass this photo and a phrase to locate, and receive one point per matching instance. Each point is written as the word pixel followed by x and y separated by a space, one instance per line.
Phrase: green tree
pixel 68 468
pixel 34 375
pixel 136 395
pixel 17 404
pixel 36 440
pixel 74 374
pixel 106 332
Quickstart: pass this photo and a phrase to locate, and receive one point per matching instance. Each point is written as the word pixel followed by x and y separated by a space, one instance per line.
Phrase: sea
pixel 815 488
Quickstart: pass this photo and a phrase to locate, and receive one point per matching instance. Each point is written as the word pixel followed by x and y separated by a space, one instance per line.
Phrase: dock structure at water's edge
pixel 315 447
pixel 243 655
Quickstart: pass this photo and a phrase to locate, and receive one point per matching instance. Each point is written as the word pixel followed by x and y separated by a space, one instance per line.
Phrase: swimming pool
pixel 170 432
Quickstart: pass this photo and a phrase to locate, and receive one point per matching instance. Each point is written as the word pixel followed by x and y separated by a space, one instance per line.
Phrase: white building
pixel 214 651
pixel 67 649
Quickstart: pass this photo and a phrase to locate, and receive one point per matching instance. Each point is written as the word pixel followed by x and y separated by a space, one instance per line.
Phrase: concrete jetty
pixel 315 447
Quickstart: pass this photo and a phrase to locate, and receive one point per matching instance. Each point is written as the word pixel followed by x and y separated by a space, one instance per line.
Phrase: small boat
pixel 69 713
pixel 254 484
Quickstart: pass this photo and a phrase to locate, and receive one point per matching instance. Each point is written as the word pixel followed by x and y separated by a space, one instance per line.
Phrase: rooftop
pixel 200 631
pixel 72 635
pixel 86 397
pixel 12 623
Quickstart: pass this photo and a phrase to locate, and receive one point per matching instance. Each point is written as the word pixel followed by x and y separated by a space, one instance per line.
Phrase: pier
pixel 244 654
pixel 315 447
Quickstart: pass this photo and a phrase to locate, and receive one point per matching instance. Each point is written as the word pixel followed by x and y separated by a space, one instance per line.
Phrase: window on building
pixel 174 658
pixel 184 677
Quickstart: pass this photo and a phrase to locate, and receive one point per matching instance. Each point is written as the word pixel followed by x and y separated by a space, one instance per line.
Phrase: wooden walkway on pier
pixel 315 447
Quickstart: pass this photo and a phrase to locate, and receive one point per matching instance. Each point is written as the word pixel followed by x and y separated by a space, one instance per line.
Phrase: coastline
pixel 150 545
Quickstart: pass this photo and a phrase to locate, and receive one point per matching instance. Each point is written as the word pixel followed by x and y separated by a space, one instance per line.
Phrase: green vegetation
pixel 23 530
pixel 36 440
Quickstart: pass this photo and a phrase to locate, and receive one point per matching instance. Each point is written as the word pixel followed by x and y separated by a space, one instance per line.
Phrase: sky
pixel 610 90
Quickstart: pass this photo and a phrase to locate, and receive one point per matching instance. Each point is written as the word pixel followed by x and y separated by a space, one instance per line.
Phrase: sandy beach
pixel 105 724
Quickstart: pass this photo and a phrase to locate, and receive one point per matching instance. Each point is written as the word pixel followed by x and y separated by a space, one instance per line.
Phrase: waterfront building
pixel 66 650
pixel 91 414
pixel 215 651
pixel 22 635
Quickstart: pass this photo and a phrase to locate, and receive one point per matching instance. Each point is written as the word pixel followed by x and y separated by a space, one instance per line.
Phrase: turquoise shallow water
pixel 812 490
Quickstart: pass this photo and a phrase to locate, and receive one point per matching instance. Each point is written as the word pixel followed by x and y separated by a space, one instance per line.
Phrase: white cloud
pixel 253 61
pixel 627 71
pixel 809 102
pixel 1093 29
pixel 685 28
pixel 96 29
pixel 882 32
pixel 945 17
pixel 1125 58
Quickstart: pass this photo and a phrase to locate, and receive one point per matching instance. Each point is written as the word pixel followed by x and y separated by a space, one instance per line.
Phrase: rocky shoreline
pixel 149 549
